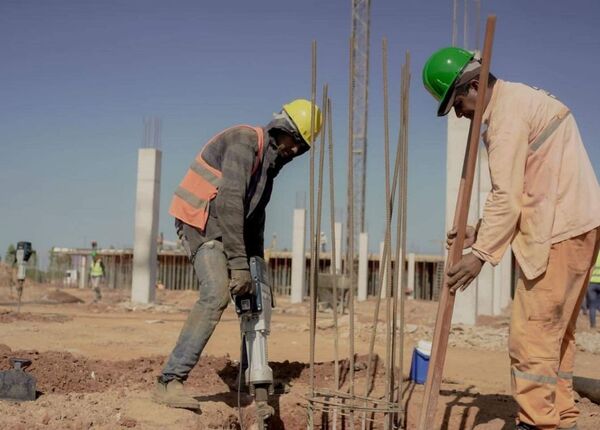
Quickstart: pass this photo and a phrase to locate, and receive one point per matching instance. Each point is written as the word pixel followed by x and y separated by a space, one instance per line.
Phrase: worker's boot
pixel 172 394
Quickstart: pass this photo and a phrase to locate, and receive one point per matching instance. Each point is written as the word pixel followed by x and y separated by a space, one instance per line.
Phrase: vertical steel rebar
pixel 313 298
pixel 465 26
pixel 401 225
pixel 454 27
pixel 350 261
pixel 336 364
pixel 317 235
pixel 387 262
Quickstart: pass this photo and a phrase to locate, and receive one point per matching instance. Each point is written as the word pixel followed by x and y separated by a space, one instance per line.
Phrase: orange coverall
pixel 545 203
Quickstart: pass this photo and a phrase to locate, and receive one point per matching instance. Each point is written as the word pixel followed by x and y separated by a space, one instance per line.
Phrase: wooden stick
pixel 446 305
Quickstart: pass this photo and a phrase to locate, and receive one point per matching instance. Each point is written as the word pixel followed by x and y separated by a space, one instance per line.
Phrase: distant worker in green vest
pixel 96 275
pixel 219 210
pixel 545 203
pixel 593 293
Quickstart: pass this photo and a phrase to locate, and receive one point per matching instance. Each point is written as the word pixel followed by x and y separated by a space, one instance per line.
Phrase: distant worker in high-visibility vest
pixel 593 294
pixel 96 275
pixel 219 210
pixel 545 203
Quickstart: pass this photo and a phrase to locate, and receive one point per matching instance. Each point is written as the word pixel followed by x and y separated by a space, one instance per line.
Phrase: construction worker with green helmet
pixel 545 203
pixel 219 211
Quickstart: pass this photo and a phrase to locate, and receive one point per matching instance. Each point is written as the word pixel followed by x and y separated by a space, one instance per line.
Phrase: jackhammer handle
pixel 19 363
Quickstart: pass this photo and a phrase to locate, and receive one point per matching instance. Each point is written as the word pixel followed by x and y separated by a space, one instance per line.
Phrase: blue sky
pixel 78 77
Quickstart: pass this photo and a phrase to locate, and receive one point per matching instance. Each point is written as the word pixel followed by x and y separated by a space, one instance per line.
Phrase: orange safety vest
pixel 200 185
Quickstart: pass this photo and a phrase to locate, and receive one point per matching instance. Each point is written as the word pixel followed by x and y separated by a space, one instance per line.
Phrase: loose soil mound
pixel 63 372
pixel 10 316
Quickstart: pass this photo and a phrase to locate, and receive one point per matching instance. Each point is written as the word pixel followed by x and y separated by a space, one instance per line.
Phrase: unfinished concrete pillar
pixel 465 308
pixel 83 271
pixel 486 284
pixel 410 275
pixel 363 265
pixel 146 225
pixel 494 283
pixel 504 273
pixel 400 259
pixel 338 246
pixel 298 256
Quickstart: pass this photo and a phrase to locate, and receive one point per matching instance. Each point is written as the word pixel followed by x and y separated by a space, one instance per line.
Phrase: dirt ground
pixel 96 364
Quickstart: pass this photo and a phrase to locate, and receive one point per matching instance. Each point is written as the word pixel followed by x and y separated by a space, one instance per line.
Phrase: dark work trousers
pixel 593 301
pixel 210 265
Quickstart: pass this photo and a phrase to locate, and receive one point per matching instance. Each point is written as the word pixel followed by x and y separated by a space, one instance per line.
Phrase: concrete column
pixel 493 284
pixel 400 260
pixel 410 275
pixel 465 308
pixel 83 272
pixel 338 246
pixel 486 281
pixel 363 265
pixel 298 255
pixel 504 270
pixel 146 225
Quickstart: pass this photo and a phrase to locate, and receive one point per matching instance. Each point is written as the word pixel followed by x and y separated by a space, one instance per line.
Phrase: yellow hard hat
pixel 299 111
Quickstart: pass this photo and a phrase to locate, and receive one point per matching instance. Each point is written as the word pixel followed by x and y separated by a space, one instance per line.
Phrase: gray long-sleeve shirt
pixel 237 214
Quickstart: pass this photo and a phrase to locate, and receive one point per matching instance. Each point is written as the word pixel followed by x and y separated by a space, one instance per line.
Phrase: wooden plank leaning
pixel 446 305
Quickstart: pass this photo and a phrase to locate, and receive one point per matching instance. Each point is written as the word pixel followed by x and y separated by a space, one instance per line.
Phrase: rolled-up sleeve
pixel 507 145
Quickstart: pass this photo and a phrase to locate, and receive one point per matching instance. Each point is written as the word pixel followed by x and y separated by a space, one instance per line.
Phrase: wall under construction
pixel 174 271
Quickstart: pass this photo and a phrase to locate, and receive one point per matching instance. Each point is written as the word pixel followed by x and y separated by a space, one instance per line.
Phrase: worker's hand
pixel 240 282
pixel 462 274
pixel 470 237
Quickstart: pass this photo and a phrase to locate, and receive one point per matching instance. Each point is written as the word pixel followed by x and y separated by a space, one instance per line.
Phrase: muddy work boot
pixel 172 394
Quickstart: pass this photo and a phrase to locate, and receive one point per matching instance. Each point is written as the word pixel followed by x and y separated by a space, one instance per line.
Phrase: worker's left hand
pixel 240 282
pixel 462 274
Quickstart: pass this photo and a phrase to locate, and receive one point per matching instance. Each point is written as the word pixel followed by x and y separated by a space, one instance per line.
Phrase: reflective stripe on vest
pixel 200 185
pixel 596 272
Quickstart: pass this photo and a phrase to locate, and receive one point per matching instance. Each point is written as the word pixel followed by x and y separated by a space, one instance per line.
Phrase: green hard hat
pixel 440 73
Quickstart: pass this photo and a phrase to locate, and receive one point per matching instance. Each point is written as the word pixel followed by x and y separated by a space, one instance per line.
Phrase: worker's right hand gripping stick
pixel 446 305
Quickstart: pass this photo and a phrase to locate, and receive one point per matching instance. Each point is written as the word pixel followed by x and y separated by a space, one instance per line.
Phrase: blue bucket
pixel 419 366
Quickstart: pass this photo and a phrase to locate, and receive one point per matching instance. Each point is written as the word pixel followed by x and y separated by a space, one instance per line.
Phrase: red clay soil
pixel 63 372
pixel 214 379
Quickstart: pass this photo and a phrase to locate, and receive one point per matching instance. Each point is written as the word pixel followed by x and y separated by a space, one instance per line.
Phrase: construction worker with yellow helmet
pixel 545 203
pixel 219 211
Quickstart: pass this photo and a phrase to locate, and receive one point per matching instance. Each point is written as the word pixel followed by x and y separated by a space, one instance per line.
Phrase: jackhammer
pixel 254 311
